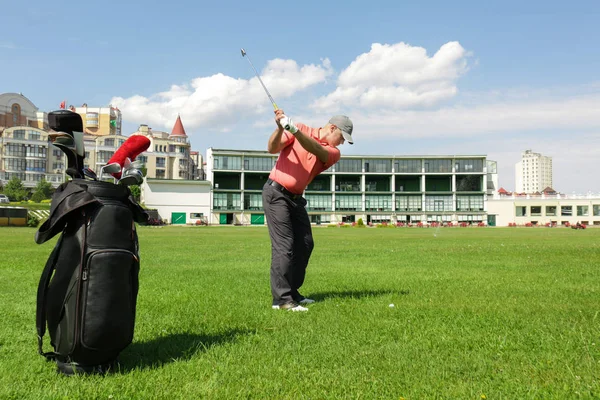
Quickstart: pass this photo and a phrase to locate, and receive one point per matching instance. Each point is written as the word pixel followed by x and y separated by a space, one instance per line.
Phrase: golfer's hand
pixel 278 116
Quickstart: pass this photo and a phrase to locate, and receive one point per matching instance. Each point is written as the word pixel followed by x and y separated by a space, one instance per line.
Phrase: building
pixel 546 208
pixel 169 155
pixel 533 173
pixel 374 188
pixel 24 149
pixel 178 202
pixel 25 152
pixel 100 121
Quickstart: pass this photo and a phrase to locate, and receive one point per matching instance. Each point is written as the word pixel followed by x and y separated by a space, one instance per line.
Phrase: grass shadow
pixel 356 294
pixel 156 352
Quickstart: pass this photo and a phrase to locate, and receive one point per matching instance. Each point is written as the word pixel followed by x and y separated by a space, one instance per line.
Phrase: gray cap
pixel 345 125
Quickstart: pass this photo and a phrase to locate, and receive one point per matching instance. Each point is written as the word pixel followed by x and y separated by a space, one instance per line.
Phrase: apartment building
pixel 375 188
pixel 533 173
pixel 100 121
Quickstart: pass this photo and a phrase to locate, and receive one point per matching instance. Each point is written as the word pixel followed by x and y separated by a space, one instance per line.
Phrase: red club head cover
pixel 133 146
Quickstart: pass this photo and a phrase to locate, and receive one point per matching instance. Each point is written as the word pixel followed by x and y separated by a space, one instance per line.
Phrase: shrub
pixel 32 221
pixel 360 222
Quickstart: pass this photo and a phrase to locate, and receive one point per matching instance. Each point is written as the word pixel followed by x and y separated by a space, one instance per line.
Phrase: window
pixel 566 211
pixel 348 203
pixel 33 135
pixel 469 165
pixel 438 203
pixel 19 134
pixel 438 166
pixel 35 151
pixel 227 162
pixel 378 203
pixel 16 114
pixel 143 159
pixel 226 201
pixel 161 162
pixel 403 166
pixel 536 211
pixel 469 203
pixel 253 201
pixel 109 142
pixel 596 210
pixel 160 173
pixel 345 165
pixel 318 202
pixel 196 215
pixel 408 203
pixel 104 156
pixel 377 165
pixel 258 163
pixel 521 211
pixel 582 211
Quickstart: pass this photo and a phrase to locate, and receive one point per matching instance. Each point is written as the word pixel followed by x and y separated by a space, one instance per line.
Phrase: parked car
pixel 4 199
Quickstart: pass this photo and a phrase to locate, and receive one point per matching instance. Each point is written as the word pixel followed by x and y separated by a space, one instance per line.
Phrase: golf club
pixel 67 145
pixel 111 168
pixel 131 177
pixel 89 173
pixel 284 121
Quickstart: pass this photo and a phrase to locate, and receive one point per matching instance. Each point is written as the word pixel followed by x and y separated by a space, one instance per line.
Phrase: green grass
pixel 505 313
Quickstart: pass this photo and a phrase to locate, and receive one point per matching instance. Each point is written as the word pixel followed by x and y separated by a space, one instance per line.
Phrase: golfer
pixel 305 152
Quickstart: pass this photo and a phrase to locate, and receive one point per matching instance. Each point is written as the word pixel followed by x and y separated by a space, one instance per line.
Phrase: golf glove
pixel 288 124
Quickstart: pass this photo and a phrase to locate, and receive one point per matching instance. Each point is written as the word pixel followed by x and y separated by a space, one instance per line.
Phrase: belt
pixel 282 189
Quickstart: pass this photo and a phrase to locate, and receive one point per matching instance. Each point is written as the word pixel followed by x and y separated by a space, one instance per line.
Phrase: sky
pixel 489 78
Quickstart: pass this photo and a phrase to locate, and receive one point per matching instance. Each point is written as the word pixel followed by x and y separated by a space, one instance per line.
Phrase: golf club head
pixel 78 137
pixel 89 173
pixel 131 177
pixel 72 162
pixel 243 52
pixel 111 168
pixel 65 121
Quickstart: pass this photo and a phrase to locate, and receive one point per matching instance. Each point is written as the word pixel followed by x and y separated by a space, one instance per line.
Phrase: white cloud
pixel 575 112
pixel 398 76
pixel 211 101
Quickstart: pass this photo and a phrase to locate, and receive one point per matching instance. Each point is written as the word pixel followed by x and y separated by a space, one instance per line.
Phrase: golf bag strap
pixel 41 296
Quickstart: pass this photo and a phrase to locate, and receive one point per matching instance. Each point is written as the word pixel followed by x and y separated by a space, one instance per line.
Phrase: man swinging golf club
pixel 305 152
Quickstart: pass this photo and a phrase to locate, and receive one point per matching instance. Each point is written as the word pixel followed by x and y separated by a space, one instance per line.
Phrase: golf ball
pixel 392 305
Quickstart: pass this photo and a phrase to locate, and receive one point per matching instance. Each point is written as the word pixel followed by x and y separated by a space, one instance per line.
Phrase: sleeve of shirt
pixel 287 138
pixel 334 156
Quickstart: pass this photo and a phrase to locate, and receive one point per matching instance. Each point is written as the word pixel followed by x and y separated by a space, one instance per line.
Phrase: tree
pixel 43 190
pixel 15 190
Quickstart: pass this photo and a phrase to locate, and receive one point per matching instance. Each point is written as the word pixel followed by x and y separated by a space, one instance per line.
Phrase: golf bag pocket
pixel 108 321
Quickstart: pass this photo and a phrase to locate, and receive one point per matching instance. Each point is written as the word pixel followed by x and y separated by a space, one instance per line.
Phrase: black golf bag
pixel 88 291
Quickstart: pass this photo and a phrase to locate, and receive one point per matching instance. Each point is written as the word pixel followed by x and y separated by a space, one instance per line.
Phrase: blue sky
pixel 418 78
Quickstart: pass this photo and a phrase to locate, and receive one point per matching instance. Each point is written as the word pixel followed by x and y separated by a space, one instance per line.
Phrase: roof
pixel 502 191
pixel 178 129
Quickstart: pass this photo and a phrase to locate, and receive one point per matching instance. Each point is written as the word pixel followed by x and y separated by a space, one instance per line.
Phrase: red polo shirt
pixel 296 167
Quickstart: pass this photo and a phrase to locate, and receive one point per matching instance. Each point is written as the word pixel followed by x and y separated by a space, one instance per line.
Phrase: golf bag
pixel 88 290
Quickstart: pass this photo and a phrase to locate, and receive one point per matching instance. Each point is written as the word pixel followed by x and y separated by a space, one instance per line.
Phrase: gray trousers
pixel 291 243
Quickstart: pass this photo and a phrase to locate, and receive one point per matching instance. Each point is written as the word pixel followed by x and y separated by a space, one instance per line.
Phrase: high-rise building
pixel 533 173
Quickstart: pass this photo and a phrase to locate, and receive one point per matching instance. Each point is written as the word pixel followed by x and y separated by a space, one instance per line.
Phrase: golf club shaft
pixel 244 54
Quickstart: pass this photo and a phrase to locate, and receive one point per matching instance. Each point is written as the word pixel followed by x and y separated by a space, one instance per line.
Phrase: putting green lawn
pixel 496 313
